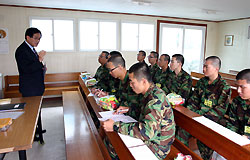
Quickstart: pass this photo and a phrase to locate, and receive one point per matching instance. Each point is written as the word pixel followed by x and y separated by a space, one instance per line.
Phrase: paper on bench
pixel 138 148
pixel 118 117
pixel 90 94
pixel 131 141
pixel 13 115
pixel 236 138
pixel 142 153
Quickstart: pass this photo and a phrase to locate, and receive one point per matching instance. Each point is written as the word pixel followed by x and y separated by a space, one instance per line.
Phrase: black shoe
pixel 44 131
pixel 36 139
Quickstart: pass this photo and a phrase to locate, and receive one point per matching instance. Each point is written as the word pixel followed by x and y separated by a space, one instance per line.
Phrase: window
pixel 137 37
pixel 57 35
pixel 187 40
pixel 98 35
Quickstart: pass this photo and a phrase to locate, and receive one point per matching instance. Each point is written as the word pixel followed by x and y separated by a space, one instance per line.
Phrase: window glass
pixel 129 36
pixel 146 36
pixel 88 35
pixel 108 38
pixel 63 34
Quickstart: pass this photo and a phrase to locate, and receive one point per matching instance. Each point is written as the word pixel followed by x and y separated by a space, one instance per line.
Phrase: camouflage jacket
pixel 180 84
pixel 239 116
pixel 156 126
pixel 210 100
pixel 154 69
pixel 104 79
pixel 127 97
pixel 114 85
pixel 160 77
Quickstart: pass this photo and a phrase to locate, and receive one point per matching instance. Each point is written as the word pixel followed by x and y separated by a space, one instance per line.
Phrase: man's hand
pixel 246 136
pixel 41 55
pixel 101 93
pixel 121 110
pixel 94 90
pixel 108 125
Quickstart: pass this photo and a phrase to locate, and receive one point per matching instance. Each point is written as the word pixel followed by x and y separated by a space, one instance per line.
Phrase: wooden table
pixel 20 135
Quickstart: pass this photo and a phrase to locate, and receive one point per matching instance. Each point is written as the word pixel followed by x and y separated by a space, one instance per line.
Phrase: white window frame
pixel 183 26
pixel 136 22
pixel 98 20
pixel 53 38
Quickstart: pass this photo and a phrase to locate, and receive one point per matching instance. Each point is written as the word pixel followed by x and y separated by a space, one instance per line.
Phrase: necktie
pixel 35 52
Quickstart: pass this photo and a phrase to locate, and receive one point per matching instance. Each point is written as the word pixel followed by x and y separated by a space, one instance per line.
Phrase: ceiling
pixel 214 10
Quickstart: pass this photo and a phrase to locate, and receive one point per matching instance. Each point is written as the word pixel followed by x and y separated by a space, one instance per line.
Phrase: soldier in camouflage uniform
pixel 179 81
pixel 239 110
pixel 162 74
pixel 153 59
pixel 141 56
pixel 102 74
pixel 126 96
pixel 210 99
pixel 105 81
pixel 156 126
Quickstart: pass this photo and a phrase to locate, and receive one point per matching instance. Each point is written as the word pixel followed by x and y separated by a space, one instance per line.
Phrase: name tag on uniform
pixel 208 103
pixel 158 85
pixel 247 130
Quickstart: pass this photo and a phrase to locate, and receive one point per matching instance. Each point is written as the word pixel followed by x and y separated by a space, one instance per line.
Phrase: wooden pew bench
pixel 55 83
pixel 81 136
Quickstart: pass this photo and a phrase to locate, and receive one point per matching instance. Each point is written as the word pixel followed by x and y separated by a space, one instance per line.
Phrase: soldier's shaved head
pixel 244 75
pixel 156 54
pixel 141 70
pixel 179 58
pixel 216 62
pixel 114 53
pixel 117 60
pixel 166 57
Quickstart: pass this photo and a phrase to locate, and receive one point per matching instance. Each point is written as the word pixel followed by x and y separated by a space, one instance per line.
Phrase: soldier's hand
pixel 246 136
pixel 108 125
pixel 94 90
pixel 101 93
pixel 121 110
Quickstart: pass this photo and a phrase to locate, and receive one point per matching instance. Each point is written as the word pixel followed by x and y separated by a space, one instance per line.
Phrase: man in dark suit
pixel 30 66
pixel 31 70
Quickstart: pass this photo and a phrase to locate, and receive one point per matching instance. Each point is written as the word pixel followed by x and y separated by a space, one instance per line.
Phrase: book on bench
pixel 12 107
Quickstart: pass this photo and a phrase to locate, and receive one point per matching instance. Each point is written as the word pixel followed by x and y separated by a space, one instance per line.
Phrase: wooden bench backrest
pixel 51 77
pixel 223 75
pixel 228 76
pixel 57 77
pixel 197 75
pixel 233 72
pixel 10 80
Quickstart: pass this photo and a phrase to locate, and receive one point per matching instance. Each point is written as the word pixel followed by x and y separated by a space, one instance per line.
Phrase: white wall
pixel 16 20
pixel 236 57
